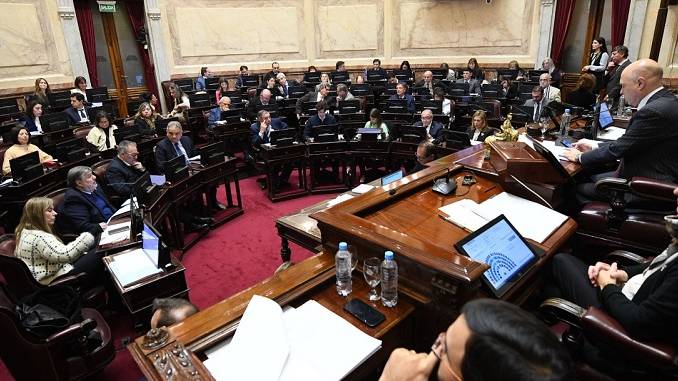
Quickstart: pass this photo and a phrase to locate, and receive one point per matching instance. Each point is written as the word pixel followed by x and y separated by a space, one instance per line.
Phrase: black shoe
pixel 203 220
pixel 194 227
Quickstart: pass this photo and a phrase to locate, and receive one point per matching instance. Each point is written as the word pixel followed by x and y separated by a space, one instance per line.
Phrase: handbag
pixel 49 310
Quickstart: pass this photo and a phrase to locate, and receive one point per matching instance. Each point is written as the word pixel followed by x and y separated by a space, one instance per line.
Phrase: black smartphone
pixel 364 312
pixel 468 180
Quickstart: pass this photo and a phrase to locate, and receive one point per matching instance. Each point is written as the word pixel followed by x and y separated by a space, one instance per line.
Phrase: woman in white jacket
pixel 44 253
pixel 102 135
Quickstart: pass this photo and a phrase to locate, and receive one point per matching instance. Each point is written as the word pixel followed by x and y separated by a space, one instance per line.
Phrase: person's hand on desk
pixel 571 154
pixel 408 365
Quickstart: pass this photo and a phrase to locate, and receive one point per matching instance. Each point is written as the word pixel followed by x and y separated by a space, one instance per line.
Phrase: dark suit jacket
pixel 473 86
pixel 213 117
pixel 164 151
pixel 78 214
pixel 256 140
pixel 410 101
pixel 488 131
pixel 582 98
pixel 143 128
pixel 29 123
pixel 315 121
pixel 73 116
pixel 653 312
pixel 612 87
pixel 311 97
pixel 649 147
pixel 254 106
pixel 118 173
pixel 436 130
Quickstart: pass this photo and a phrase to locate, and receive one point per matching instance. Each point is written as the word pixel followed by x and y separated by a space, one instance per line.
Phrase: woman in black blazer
pixel 144 120
pixel 479 129
pixel 582 95
pixel 31 119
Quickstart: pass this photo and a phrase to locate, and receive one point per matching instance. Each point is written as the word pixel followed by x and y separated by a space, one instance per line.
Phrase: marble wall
pixel 224 34
pixel 33 45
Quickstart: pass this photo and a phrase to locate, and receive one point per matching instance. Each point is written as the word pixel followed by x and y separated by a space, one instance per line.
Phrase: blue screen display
pixel 395 176
pixel 604 118
pixel 502 249
pixel 149 241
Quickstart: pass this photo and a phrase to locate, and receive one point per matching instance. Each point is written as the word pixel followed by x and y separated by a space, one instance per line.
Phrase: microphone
pixel 443 185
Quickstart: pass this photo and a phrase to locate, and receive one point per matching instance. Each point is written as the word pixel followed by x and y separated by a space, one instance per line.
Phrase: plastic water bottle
pixel 620 107
pixel 565 122
pixel 389 280
pixel 342 265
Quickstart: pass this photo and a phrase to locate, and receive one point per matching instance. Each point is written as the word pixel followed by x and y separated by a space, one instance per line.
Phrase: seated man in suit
pixel 275 69
pixel 260 133
pixel 322 118
pixel 169 311
pixel 427 82
pixel 538 102
pixel 124 169
pixel 376 71
pixel 215 113
pixel 434 130
pixel 78 112
pixel 401 93
pixel 320 95
pixel 490 340
pixel 649 148
pixel 257 104
pixel 284 85
pixel 550 93
pixel 200 81
pixel 244 71
pixel 85 207
pixel 473 84
pixel 426 153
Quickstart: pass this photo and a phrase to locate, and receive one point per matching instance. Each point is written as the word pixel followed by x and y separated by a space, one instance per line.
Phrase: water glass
pixel 372 274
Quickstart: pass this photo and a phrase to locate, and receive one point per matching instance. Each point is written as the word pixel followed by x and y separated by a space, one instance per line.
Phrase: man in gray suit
pixel 649 148
pixel 538 102
pixel 618 62
pixel 473 84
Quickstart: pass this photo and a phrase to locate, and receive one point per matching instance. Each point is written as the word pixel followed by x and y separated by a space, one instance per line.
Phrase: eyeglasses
pixel 439 349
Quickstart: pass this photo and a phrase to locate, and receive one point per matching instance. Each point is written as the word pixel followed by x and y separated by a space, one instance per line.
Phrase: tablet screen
pixel 395 176
pixel 500 246
pixel 604 118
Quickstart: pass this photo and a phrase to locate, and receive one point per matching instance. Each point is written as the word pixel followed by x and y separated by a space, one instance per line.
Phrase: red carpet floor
pixel 230 258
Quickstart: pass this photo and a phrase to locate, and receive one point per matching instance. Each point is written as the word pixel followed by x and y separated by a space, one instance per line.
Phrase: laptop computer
pixel 499 245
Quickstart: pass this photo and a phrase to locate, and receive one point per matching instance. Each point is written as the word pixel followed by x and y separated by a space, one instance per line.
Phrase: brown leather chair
pixel 20 282
pixel 81 132
pixel 31 358
pixel 645 360
pixel 632 219
pixel 99 169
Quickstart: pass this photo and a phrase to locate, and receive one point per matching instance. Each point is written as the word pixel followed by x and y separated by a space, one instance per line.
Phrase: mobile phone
pixel 566 143
pixel 364 312
pixel 468 180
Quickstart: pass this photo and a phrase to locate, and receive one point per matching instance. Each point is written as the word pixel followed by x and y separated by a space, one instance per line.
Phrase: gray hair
pixel 280 76
pixel 323 85
pixel 76 173
pixel 124 145
pixel 342 87
pixel 174 124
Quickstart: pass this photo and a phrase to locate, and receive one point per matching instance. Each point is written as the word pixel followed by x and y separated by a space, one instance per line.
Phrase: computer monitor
pixel 312 77
pixel 8 106
pixel 284 137
pixel 459 89
pixel 212 153
pixel 176 169
pixel 185 84
pixel 59 99
pixel 391 177
pixel 500 246
pixel 97 94
pixel 369 134
pixel 402 75
pixel 550 157
pixel 397 105
pixel 409 134
pixel 361 89
pixel 491 90
pixel 126 133
pixel 70 150
pixel 53 122
pixel 296 92
pixel 250 81
pixel 349 106
pixel 200 100
pixel 533 75
pixel 507 74
pixel 325 133
pixel 107 107
pixel 457 139
pixel 339 76
pixel 27 167
pixel 161 124
pixel 154 246
pixel 604 116
pixel 375 76
pixel 212 83
pixel 430 104
pixel 231 114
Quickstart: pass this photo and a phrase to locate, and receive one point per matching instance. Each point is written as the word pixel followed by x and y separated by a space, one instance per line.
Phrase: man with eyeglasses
pixel 490 340
pixel 125 168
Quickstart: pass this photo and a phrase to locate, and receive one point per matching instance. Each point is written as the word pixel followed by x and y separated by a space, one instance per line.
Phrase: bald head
pixel 640 79
pixel 265 96
pixel 428 76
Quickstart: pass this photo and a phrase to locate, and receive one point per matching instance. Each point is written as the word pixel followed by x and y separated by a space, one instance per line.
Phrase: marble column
pixel 547 15
pixel 156 46
pixel 634 27
pixel 76 53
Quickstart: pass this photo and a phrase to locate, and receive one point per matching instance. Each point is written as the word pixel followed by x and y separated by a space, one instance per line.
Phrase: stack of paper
pixel 532 220
pixel 115 233
pixel 611 133
pixel 307 343
pixel 132 266
pixel 339 199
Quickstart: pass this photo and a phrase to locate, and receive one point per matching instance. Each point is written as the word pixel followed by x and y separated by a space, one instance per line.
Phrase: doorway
pixel 119 65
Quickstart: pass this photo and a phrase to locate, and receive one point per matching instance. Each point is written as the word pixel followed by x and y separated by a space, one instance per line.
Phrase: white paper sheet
pixel 362 188
pixel 132 266
pixel 611 133
pixel 108 237
pixel 339 199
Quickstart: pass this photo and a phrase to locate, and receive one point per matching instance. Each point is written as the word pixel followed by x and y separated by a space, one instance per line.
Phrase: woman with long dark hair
pixel 597 62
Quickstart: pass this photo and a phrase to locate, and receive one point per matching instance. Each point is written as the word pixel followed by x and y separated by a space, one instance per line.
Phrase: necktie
pixel 537 111
pixel 180 152
pixel 108 139
pixel 82 114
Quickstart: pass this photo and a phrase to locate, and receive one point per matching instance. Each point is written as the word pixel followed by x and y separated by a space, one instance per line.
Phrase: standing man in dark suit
pixel 124 169
pixel 434 130
pixel 85 207
pixel 78 112
pixel 401 94
pixel 618 62
pixel 260 133
pixel 473 84
pixel 649 148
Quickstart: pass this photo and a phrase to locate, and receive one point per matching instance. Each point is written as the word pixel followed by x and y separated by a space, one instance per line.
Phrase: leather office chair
pixel 81 132
pixel 20 282
pixel 99 169
pixel 30 358
pixel 633 218
pixel 646 360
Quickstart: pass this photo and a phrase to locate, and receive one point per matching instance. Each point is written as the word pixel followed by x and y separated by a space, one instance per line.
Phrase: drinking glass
pixel 543 126
pixel 372 273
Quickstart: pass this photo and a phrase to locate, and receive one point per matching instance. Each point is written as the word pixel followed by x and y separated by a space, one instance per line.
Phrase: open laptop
pixel 499 245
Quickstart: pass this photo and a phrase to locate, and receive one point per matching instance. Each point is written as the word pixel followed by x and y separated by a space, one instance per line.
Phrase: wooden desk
pixel 277 157
pixel 334 153
pixel 226 173
pixel 138 297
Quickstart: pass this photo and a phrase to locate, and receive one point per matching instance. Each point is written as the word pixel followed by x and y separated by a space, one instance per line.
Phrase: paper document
pixel 533 221
pixel 125 208
pixel 115 233
pixel 611 133
pixel 132 266
pixel 362 188
pixel 158 180
pixel 557 151
pixel 307 343
pixel 194 158
pixel 339 199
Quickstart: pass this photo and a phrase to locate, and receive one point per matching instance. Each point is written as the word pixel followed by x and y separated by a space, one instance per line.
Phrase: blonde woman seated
pixel 22 146
pixel 102 135
pixel 144 120
pixel 44 253
pixel 479 129
pixel 324 78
